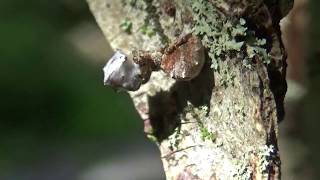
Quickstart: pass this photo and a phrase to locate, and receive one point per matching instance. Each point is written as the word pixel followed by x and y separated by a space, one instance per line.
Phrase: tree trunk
pixel 222 124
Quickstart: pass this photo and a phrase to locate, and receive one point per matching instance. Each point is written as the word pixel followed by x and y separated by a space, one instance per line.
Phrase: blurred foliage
pixel 311 104
pixel 49 92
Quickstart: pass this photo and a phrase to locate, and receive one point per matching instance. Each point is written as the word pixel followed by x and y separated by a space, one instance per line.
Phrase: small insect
pixel 183 60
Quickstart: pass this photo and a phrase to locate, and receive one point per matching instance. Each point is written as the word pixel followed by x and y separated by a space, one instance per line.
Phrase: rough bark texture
pixel 224 123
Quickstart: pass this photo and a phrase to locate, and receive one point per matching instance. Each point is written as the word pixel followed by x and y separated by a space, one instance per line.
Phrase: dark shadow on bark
pixel 166 106
pixel 272 33
pixel 278 87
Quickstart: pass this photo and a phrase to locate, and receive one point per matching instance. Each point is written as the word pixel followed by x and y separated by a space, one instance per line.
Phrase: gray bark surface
pixel 223 124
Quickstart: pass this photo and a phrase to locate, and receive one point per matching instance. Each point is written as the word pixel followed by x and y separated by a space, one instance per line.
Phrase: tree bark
pixel 223 124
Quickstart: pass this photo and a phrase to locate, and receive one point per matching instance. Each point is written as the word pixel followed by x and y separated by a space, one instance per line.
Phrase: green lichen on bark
pixel 126 25
pixel 152 19
pixel 151 24
pixel 200 115
pixel 226 37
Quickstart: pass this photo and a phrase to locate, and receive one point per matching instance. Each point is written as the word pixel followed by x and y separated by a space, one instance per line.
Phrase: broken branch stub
pixel 182 61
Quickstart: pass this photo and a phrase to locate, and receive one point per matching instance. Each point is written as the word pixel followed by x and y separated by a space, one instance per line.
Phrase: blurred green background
pixel 55 113
pixel 48 86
